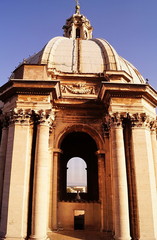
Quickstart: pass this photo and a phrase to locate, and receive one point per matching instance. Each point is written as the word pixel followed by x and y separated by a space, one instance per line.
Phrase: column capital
pixel 57 150
pixel 44 117
pixel 27 117
pixel 139 120
pixel 113 120
pixel 17 116
pixel 153 126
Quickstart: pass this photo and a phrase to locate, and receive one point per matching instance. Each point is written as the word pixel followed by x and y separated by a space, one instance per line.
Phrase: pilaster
pixel 56 155
pixel 101 179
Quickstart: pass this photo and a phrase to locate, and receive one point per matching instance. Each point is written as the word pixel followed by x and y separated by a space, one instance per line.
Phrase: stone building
pixel 78 98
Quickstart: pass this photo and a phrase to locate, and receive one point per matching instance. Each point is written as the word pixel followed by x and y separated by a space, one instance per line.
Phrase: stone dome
pixel 92 56
pixel 77 53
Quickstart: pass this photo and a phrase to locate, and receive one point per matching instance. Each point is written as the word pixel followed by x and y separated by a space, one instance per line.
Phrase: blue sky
pixel 129 26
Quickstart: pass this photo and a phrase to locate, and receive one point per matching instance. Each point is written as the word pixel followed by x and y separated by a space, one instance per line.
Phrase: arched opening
pixel 78 145
pixel 76 175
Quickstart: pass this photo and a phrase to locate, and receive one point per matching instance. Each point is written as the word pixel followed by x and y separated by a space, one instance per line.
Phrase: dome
pixel 77 53
pixel 92 56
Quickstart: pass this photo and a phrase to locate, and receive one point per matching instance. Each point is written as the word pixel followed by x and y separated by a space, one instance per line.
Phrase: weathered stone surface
pixel 78 98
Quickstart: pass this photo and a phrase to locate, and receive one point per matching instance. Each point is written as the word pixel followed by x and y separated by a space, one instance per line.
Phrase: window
pixel 77 33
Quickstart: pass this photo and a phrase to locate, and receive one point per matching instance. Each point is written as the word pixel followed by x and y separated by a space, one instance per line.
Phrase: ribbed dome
pixel 92 56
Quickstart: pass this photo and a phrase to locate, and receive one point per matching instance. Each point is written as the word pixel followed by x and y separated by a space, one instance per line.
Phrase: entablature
pixel 31 87
pixel 110 90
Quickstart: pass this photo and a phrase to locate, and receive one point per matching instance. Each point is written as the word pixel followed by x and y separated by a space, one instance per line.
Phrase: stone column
pixel 14 211
pixel 3 149
pixel 41 181
pixel 154 145
pixel 56 153
pixel 101 180
pixel 120 188
pixel 50 190
pixel 144 176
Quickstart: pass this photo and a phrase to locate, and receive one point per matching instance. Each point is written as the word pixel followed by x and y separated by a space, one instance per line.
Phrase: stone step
pixel 80 235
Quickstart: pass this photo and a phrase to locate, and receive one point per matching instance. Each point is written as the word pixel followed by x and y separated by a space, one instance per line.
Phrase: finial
pixel 77 7
pixel 77 2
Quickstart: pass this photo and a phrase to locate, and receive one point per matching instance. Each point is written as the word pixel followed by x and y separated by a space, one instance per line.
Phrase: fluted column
pixel 101 179
pixel 3 149
pixel 120 188
pixel 144 176
pixel 40 185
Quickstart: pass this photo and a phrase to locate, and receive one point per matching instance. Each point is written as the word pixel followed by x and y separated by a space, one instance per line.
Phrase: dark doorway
pixel 79 219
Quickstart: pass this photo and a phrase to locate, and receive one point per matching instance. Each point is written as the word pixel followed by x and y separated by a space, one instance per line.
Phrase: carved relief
pixel 78 88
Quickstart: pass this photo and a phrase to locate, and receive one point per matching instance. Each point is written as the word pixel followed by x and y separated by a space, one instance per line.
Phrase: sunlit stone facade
pixel 78 98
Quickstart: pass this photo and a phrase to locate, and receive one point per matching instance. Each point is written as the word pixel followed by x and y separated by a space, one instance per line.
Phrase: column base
pixel 122 238
pixel 12 238
pixel 33 237
pixel 155 238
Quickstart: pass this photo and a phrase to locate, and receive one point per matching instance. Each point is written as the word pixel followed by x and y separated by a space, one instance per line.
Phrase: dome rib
pixel 126 67
pixel 49 49
pixel 114 54
pixel 104 52
pixel 136 72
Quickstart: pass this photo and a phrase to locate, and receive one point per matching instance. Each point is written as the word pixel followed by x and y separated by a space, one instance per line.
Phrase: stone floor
pixel 80 235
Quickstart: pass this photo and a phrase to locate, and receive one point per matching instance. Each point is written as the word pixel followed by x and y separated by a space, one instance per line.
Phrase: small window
pixel 85 35
pixel 77 32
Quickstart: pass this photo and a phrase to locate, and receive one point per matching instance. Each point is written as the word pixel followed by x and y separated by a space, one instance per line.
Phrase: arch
pixel 82 145
pixel 80 128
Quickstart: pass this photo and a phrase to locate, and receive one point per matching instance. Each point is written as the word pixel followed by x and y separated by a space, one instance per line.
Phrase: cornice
pixel 33 87
pixel 110 90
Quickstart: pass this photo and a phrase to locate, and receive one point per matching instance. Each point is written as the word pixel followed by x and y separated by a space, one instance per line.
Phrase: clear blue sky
pixel 129 26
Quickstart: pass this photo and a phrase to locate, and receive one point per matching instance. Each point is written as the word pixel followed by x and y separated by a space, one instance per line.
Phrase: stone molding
pixel 27 117
pixel 137 120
